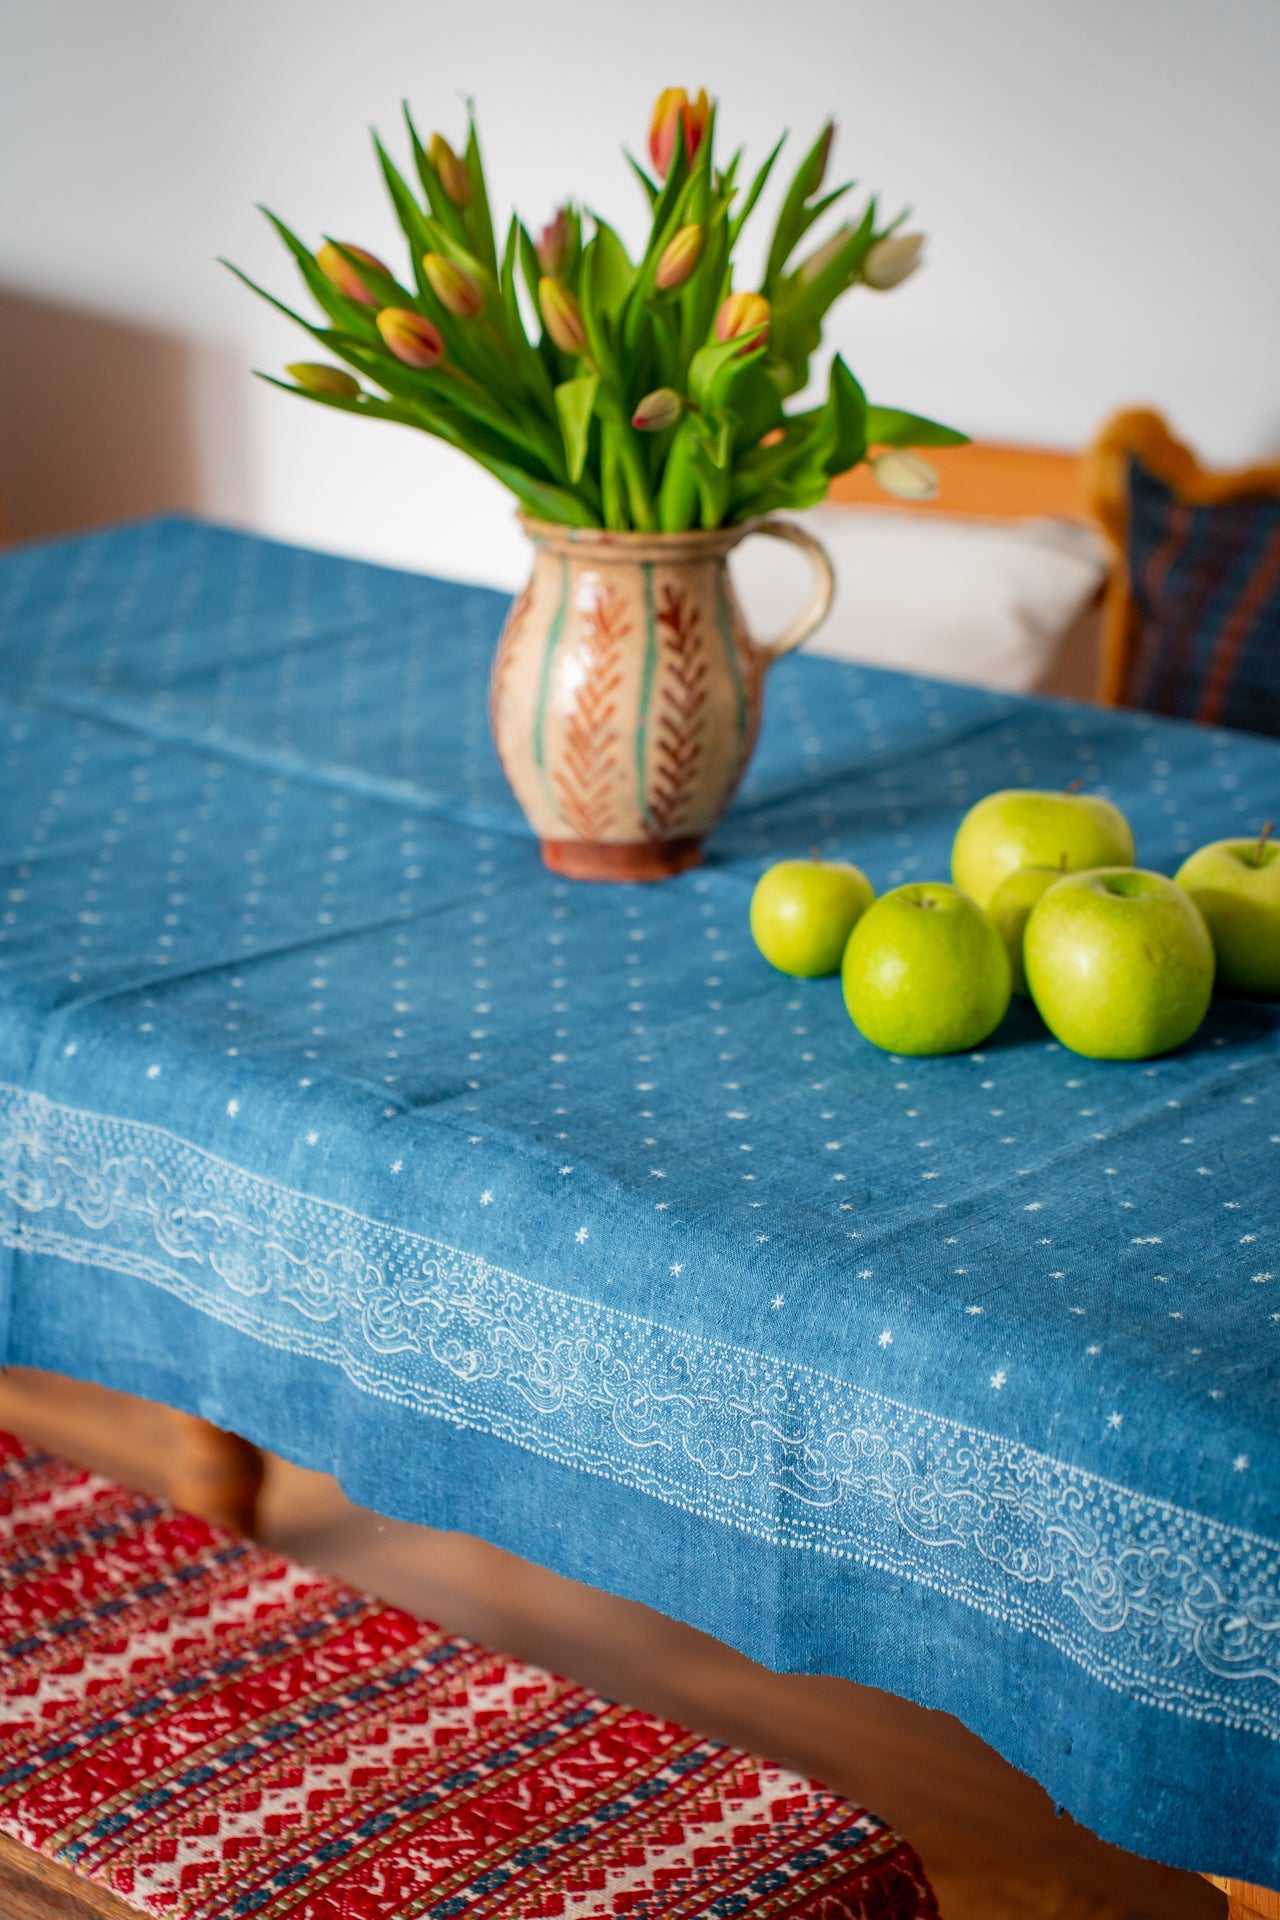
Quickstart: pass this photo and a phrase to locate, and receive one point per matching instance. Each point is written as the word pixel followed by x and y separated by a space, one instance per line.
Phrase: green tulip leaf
pixel 545 502
pixel 758 405
pixel 754 191
pixel 408 212
pixel 529 263
pixel 715 369
pixel 575 404
pixel 669 193
pixel 812 214
pixel 892 427
pixel 650 186
pixel 530 365
pixel 842 432
pixel 476 218
pixel 614 274
pixel 300 251
pixel 791 222
pixel 328 336
pixel 712 482
pixel 442 207
pixel 595 316
pixel 678 494
pixel 613 499
pixel 507 284
pixel 813 295
pixel 703 291
pixel 714 433
pixel 345 312
pixel 468 401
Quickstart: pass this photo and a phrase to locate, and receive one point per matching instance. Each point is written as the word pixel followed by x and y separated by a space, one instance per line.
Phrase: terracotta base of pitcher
pixel 621 860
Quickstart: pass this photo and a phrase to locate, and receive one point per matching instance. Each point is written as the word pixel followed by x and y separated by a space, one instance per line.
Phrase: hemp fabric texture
pixel 549 1212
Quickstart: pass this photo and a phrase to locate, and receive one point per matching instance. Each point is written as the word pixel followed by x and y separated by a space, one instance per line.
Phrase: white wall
pixel 1098 178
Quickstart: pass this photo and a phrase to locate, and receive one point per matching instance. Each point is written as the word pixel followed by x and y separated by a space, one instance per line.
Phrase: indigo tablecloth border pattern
pixel 1171 1608
pixel 551 1213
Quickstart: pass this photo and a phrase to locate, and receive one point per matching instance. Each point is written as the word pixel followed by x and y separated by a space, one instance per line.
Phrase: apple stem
pixel 815 853
pixel 1062 863
pixel 1263 838
pixel 1073 786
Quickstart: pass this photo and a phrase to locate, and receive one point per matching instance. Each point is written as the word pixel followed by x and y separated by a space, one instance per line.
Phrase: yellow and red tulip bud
pixel 453 174
pixel 904 474
pixel 552 247
pixel 671 107
pixel 334 265
pixel 664 127
pixel 659 409
pixel 561 315
pixel 890 261
pixel 317 378
pixel 458 292
pixel 742 313
pixel 678 260
pixel 411 337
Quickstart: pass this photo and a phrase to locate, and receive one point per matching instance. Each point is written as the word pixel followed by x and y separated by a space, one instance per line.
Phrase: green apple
pixel 1236 885
pixel 803 911
pixel 925 971
pixel 1010 908
pixel 1119 963
pixel 1018 828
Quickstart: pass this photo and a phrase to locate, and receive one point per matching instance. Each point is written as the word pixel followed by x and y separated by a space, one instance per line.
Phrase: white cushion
pixel 981 600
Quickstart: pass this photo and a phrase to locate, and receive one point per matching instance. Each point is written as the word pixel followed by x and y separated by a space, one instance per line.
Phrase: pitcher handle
pixel 820 599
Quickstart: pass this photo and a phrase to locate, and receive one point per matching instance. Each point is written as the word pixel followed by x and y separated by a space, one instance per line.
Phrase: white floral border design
pixel 1174 1610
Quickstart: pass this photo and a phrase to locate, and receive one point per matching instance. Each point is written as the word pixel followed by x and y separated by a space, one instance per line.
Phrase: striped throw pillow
pixel 1205 581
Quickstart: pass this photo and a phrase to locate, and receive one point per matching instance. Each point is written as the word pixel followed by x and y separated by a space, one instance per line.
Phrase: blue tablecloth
pixel 549 1212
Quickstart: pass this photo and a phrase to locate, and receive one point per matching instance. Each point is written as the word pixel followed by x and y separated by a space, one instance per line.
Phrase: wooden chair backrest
pixel 986 480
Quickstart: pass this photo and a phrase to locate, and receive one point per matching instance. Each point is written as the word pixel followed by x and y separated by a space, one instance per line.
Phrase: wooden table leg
pixel 1248 1903
pixel 214 1474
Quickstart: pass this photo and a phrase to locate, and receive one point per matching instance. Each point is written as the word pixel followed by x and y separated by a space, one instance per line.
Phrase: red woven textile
pixel 216 1734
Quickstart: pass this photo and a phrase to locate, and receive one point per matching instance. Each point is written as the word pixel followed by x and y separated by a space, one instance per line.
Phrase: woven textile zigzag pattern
pixel 212 1732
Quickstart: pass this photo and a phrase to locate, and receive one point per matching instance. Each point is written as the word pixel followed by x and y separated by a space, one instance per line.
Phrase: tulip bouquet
pixel 652 395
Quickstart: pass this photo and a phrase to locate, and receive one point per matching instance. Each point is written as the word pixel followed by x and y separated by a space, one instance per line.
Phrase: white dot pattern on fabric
pixel 266 896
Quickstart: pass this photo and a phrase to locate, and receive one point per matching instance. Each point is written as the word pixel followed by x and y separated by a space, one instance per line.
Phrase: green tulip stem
pixel 638 495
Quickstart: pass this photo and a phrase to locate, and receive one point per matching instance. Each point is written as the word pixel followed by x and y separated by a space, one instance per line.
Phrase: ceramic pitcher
pixel 626 692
